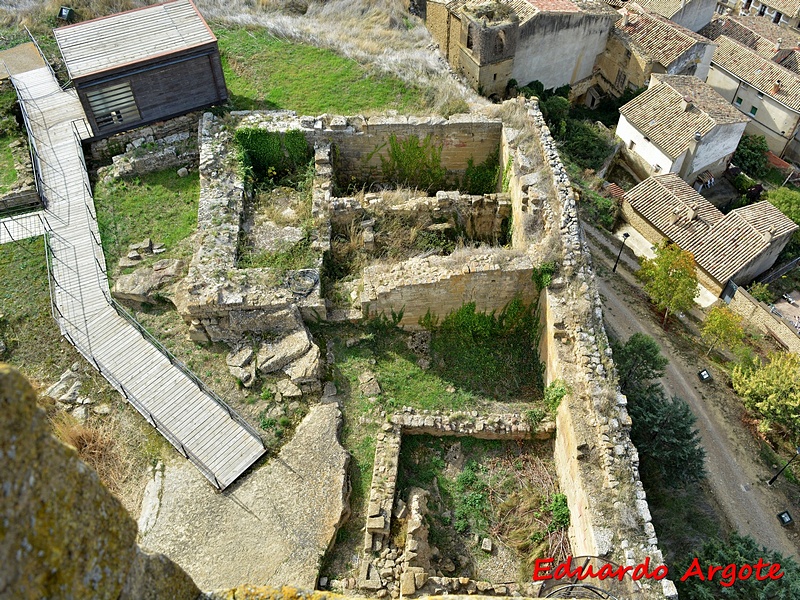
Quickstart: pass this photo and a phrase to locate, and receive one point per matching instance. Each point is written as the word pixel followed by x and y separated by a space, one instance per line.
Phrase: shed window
pixel 753 110
pixel 113 105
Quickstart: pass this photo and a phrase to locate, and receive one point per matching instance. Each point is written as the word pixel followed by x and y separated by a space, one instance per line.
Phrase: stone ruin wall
pixel 597 464
pixel 165 132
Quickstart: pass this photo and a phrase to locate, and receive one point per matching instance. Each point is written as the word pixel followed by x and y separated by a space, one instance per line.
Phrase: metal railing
pixel 77 333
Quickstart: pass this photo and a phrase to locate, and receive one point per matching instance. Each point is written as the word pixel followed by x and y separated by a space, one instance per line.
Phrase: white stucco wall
pixel 705 63
pixel 646 150
pixel 716 145
pixel 773 120
pixel 560 48
pixel 695 14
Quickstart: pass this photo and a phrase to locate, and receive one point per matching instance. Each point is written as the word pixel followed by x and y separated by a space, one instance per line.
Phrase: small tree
pixel 663 431
pixel 760 291
pixel 670 279
pixel 788 202
pixel 722 325
pixel 751 155
pixel 639 361
pixel 772 389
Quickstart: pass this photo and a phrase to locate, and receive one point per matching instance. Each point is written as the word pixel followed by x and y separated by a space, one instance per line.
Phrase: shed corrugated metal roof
pixel 131 37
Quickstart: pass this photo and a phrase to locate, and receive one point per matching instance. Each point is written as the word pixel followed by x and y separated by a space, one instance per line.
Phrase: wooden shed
pixel 143 65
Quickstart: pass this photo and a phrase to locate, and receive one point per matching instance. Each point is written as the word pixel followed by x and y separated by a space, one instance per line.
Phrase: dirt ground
pixel 737 476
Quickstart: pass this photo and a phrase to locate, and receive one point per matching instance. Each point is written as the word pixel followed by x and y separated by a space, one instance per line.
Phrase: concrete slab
pixel 20 59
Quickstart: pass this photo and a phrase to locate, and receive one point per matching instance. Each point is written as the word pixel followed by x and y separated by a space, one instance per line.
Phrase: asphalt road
pixel 736 475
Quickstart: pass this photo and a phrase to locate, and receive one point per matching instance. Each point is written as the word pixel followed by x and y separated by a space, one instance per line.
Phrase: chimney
pixel 624 17
pixel 691 212
pixel 776 87
pixel 673 218
pixel 686 104
pixel 778 43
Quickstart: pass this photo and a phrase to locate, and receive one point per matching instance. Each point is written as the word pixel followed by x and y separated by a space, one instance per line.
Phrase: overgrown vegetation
pixel 8 174
pixel 490 354
pixel 483 178
pixel 267 156
pixel 599 210
pixel 160 206
pixel 502 490
pixel 414 163
pixel 751 155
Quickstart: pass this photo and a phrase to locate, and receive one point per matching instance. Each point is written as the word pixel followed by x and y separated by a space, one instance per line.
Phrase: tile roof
pixel 657 37
pixel 756 33
pixel 665 8
pixel 722 245
pixel 659 112
pixel 757 71
pixel 133 36
pixel 527 9
pixel 791 61
pixel 790 8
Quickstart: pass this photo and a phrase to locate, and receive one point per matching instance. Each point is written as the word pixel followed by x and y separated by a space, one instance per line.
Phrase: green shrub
pixel 599 209
pixel 414 163
pixel 760 291
pixel 751 155
pixel 585 145
pixel 742 183
pixel 553 394
pixel 482 179
pixel 271 154
pixel 560 510
pixel 543 275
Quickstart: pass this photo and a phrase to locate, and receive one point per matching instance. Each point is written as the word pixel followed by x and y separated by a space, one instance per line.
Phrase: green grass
pixel 8 174
pixel 161 206
pixel 264 72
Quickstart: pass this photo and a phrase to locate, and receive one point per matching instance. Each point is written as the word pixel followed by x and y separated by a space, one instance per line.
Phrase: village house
pixel 555 42
pixel 143 65
pixel 778 44
pixel 768 92
pixel 785 13
pixel 734 247
pixel 691 14
pixel 680 125
pixel 643 43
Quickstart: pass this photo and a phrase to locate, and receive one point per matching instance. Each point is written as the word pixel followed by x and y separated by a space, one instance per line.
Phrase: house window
pixel 495 77
pixel 753 110
pixel 500 43
pixel 738 101
pixel 762 10
pixel 631 145
pixel 470 41
pixel 620 82
pixel 777 17
pixel 113 105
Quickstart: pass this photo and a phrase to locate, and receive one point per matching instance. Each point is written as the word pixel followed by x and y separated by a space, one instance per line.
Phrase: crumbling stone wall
pixel 597 463
pixel 64 535
pixel 442 284
pixel 756 313
pixel 173 129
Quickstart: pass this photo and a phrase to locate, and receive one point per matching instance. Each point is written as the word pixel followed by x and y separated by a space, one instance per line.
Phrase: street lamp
pixel 783 468
pixel 625 237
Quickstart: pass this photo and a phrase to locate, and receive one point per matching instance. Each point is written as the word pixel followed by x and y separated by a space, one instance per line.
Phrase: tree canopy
pixel 772 389
pixel 670 279
pixel 737 550
pixel 751 155
pixel 722 325
pixel 639 361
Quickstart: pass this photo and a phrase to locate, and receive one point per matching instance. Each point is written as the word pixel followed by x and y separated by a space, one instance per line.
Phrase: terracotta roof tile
pixel 756 33
pixel 657 37
pixel 659 113
pixel 757 71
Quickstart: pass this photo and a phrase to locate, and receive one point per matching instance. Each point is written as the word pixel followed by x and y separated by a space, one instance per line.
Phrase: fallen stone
pixel 273 356
pixel 72 394
pixel 3 347
pixel 134 255
pixel 287 389
pixel 486 545
pixel 306 369
pixel 183 172
pixel 80 413
pixel 407 584
pixel 58 389
pixel 369 384
pixel 141 286
pixel 240 357
pixel 329 389
pixel 102 409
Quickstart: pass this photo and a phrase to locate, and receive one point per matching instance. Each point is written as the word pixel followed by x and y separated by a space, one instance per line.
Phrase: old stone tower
pixel 487 44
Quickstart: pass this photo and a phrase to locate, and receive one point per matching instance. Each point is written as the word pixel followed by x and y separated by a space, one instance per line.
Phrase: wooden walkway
pixel 168 395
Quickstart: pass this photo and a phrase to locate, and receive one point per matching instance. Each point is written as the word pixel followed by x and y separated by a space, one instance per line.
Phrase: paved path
pixel 735 475
pixel 173 400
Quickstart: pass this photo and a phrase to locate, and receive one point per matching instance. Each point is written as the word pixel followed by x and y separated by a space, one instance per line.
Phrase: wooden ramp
pixel 194 420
